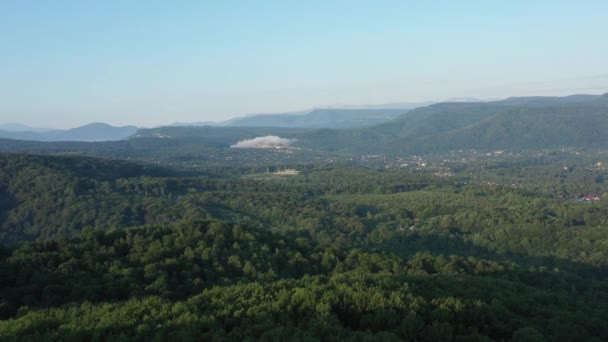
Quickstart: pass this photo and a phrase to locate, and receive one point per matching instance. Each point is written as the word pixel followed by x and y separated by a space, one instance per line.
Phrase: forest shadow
pixel 407 247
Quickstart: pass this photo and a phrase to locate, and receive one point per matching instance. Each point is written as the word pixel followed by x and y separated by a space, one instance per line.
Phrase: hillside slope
pixel 516 123
pixel 43 196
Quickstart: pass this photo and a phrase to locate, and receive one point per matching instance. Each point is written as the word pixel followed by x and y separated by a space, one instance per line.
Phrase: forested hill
pixel 511 124
pixel 13 165
pixel 59 196
pixel 221 281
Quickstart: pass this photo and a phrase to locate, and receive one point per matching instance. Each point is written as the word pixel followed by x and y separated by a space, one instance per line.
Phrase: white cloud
pixel 269 141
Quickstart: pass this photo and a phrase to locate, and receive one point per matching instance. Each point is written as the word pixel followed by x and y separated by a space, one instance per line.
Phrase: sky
pixel 147 63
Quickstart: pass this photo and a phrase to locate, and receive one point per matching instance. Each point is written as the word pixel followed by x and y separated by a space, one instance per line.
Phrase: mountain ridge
pixel 18 127
pixel 511 124
pixel 97 131
pixel 545 121
pixel 315 118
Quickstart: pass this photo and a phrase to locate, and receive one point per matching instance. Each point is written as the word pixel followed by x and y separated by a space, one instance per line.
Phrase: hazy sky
pixel 67 63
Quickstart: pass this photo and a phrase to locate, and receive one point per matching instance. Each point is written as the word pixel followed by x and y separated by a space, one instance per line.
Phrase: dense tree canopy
pixel 98 249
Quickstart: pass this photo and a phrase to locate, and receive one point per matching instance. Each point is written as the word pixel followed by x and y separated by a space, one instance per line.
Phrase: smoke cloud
pixel 269 141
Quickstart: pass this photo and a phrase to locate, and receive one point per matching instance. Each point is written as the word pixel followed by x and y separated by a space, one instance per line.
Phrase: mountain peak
pixel 100 125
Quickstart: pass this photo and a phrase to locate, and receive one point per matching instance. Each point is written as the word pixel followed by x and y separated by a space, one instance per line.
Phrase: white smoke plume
pixel 269 141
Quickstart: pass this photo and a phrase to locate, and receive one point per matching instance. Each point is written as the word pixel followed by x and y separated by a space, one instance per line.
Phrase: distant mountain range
pixel 90 132
pixel 515 123
pixel 17 127
pixel 316 118
pixel 343 117
pixel 321 118
pixel 331 117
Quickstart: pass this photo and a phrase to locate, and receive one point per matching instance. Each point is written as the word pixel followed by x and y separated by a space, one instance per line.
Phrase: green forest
pixel 303 171
pixel 97 249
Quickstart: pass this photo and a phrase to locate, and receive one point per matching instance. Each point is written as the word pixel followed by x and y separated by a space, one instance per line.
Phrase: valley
pixel 158 237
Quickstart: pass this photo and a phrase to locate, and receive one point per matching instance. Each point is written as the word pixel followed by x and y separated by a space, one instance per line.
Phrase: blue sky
pixel 67 63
